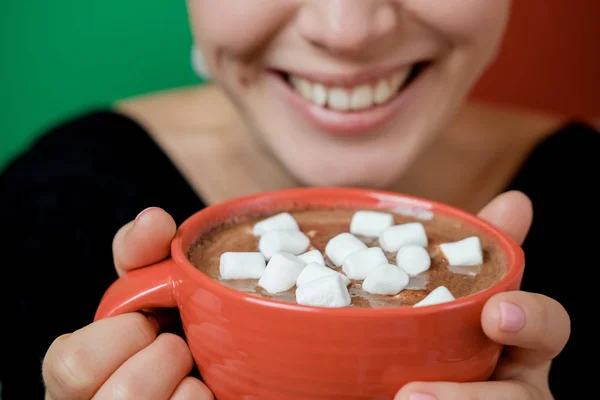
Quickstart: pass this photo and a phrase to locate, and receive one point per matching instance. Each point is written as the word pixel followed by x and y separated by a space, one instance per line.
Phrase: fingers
pixel 192 389
pixel 505 390
pixel 152 373
pixel 188 389
pixel 512 212
pixel 77 364
pixel 144 241
pixel 537 326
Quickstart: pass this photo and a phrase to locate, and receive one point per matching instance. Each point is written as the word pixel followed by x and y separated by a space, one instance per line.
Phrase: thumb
pixel 512 212
pixel 145 241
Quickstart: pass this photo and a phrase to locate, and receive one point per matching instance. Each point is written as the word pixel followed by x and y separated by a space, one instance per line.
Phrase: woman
pixel 366 93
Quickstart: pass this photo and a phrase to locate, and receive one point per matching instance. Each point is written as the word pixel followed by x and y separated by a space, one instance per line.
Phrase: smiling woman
pixel 362 93
pixel 337 47
pixel 83 65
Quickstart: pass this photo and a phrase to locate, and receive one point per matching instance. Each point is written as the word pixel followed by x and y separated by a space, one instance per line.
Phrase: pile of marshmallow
pixel 282 260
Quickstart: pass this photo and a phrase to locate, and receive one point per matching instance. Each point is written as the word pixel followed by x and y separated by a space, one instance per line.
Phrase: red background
pixel 550 58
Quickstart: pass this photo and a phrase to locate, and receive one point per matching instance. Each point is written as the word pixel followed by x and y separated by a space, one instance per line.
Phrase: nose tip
pixel 347 26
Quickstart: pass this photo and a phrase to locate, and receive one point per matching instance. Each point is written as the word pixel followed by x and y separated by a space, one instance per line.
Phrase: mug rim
pixel 188 231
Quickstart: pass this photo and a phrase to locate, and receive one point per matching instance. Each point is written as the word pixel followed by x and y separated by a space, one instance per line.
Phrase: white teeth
pixel 382 92
pixel 303 87
pixel 357 98
pixel 362 97
pixel 339 99
pixel 399 78
pixel 319 94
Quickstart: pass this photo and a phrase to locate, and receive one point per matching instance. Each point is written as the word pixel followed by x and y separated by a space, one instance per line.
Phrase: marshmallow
pixel 439 295
pixel 394 237
pixel 279 222
pixel 292 242
pixel 342 245
pixel 386 279
pixel 413 259
pixel 370 223
pixel 281 273
pixel 358 265
pixel 327 291
pixel 314 271
pixel 241 265
pixel 313 256
pixel 464 253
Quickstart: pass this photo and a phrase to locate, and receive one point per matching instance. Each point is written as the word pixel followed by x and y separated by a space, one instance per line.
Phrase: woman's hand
pixel 534 327
pixel 125 356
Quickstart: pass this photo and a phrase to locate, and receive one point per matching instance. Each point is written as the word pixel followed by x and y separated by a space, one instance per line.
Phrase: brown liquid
pixel 321 225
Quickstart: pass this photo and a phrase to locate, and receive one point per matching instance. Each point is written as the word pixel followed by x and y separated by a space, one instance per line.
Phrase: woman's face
pixel 347 92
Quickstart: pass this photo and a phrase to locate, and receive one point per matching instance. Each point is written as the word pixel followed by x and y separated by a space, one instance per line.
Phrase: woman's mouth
pixel 358 97
pixel 348 105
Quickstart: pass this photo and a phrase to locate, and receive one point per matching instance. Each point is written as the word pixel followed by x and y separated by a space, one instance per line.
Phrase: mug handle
pixel 147 287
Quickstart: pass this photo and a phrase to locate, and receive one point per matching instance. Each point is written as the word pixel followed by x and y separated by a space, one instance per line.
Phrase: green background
pixel 60 57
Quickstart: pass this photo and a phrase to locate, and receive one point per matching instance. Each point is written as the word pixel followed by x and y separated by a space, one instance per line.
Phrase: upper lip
pixel 349 78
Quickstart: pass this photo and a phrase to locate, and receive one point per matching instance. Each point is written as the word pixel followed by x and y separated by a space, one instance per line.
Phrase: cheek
pixel 239 27
pixel 472 21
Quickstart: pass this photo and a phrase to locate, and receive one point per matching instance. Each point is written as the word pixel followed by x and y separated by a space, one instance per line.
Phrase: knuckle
pixel 538 310
pixel 554 318
pixel 558 313
pixel 543 304
pixel 72 371
pixel 55 347
pixel 118 250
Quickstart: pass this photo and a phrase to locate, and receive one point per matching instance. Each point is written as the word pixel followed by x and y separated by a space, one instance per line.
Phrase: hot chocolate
pixel 321 225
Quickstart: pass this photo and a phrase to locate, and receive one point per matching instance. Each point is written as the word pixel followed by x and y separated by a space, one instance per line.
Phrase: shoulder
pixel 526 126
pixel 555 150
pixel 143 127
pixel 201 130
pixel 179 112
pixel 536 142
pixel 504 126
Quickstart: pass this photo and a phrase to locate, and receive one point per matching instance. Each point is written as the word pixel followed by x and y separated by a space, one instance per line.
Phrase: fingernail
pixel 512 317
pixel 421 396
pixel 143 212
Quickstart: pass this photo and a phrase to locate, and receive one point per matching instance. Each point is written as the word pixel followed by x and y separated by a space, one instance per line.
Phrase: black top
pixel 65 198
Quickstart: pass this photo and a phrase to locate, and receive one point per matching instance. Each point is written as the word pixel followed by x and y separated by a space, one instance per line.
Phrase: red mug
pixel 247 347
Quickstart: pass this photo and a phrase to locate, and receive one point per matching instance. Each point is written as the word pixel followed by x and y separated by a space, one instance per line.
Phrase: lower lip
pixel 353 123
